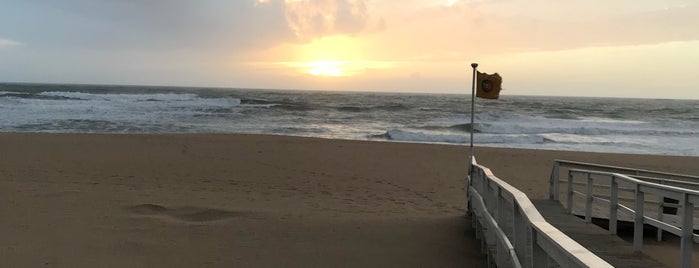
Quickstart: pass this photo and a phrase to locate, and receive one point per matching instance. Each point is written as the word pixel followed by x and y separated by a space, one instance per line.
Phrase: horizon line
pixel 326 90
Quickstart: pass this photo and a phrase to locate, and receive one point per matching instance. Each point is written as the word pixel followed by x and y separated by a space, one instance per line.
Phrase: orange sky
pixel 624 48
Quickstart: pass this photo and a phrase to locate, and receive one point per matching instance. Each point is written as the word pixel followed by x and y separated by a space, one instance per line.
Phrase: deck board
pixel 611 248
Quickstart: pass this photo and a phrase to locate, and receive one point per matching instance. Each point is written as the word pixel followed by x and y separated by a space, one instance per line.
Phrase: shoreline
pixel 186 200
pixel 464 145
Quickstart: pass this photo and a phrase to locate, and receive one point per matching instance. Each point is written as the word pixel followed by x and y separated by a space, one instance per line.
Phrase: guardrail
pixel 604 187
pixel 512 231
pixel 659 177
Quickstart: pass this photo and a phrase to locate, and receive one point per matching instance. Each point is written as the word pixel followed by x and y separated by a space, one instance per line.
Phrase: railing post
pixel 502 254
pixel 588 199
pixel 468 186
pixel 638 219
pixel 481 182
pixel 540 258
pixel 531 243
pixel 613 205
pixel 569 197
pixel 661 207
pixel 687 232
pixel 659 234
pixel 492 199
pixel 554 182
pixel 519 233
pixel 498 199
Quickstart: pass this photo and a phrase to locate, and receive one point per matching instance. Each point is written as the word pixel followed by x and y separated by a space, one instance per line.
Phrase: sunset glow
pixel 325 68
pixel 417 46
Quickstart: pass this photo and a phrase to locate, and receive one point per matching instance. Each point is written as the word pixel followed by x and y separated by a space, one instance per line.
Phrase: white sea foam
pixel 520 124
pixel 418 136
pixel 13 93
pixel 138 109
pixel 123 97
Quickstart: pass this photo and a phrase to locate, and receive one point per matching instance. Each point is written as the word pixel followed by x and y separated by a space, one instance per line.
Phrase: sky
pixel 599 48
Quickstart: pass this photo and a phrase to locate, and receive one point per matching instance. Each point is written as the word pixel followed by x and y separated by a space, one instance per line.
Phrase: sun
pixel 325 68
pixel 328 57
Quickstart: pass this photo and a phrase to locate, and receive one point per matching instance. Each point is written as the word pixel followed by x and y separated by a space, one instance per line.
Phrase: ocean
pixel 617 125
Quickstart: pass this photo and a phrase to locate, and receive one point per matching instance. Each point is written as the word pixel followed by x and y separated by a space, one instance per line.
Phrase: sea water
pixel 645 126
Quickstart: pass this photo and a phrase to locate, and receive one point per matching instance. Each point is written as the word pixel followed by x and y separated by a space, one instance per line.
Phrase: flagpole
pixel 473 105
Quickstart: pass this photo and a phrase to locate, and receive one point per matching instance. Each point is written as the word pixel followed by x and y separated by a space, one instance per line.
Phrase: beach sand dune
pixel 77 200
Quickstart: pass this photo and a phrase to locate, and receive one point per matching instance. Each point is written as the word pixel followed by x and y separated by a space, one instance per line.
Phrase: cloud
pixel 176 25
pixel 154 25
pixel 9 43
pixel 313 18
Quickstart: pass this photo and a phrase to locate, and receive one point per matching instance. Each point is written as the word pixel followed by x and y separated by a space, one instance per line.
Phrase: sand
pixel 79 200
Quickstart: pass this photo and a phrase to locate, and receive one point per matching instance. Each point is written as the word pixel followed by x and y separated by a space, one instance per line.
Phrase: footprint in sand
pixel 186 214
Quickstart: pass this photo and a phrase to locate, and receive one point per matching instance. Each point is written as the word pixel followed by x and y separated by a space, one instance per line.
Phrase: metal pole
pixel 473 105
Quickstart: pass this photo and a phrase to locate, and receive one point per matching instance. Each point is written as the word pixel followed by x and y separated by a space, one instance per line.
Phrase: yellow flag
pixel 488 86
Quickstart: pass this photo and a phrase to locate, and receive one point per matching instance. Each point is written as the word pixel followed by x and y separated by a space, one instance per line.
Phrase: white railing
pixel 644 191
pixel 512 231
pixel 659 177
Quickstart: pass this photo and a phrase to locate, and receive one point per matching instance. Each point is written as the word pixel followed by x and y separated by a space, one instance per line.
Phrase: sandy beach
pixel 81 200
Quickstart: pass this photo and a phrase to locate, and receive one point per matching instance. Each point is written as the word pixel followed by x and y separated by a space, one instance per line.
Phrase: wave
pixel 416 136
pixel 353 109
pixel 27 95
pixel 401 135
pixel 70 95
pixel 581 139
pixel 508 123
pixel 431 109
pixel 457 128
pixel 526 140
pixel 165 98
pixel 100 126
pixel 294 107
pixel 391 107
pixel 383 107
pixel 80 111
pixel 591 130
pixel 257 103
pixel 5 93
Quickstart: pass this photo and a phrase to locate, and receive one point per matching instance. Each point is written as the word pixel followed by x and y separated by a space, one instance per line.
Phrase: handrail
pixel 493 228
pixel 640 181
pixel 688 199
pixel 534 240
pixel 554 186
pixel 637 171
pixel 673 182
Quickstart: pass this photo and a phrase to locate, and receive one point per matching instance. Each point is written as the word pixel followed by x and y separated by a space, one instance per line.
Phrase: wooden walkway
pixel 611 248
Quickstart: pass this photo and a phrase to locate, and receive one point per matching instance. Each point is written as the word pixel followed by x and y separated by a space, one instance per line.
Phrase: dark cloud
pixel 177 24
pixel 147 25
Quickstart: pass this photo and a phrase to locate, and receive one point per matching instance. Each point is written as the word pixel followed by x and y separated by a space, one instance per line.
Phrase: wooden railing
pixel 512 231
pixel 632 196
